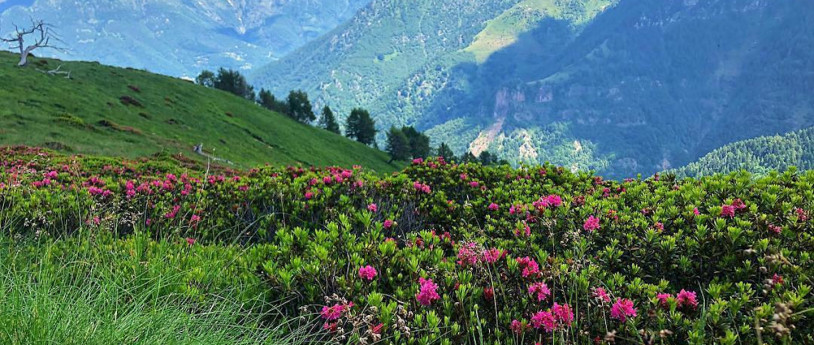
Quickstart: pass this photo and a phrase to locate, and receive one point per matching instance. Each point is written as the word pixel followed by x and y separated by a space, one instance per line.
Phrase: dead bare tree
pixel 43 36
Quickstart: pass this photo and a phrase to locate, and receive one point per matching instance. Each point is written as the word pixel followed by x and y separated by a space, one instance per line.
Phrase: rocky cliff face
pixel 181 37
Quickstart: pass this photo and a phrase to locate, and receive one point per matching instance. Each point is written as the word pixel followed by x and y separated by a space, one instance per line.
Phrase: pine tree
pixel 360 126
pixel 328 120
pixel 206 78
pixel 486 158
pixel 232 81
pixel 445 151
pixel 398 145
pixel 299 107
pixel 419 143
pixel 267 100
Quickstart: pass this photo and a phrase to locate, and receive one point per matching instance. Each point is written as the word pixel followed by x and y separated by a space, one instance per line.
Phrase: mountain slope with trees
pixel 115 111
pixel 758 155
pixel 621 87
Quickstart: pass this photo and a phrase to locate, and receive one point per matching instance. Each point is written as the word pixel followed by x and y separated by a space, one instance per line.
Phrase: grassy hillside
pixel 93 113
pixel 759 155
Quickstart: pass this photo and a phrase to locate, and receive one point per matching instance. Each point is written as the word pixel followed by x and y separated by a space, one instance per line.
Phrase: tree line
pixel 403 143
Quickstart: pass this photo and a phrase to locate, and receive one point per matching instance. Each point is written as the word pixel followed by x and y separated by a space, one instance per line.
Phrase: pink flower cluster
pixel 334 312
pixel 422 187
pixel 468 254
pixel 540 290
pixel 591 224
pixel 729 210
pixel 492 255
pixel 493 207
pixel 427 292
pixel 558 316
pixel 367 272
pixel 548 201
pixel 623 309
pixel 684 299
pixel 601 295
pixel 372 207
pixel 529 266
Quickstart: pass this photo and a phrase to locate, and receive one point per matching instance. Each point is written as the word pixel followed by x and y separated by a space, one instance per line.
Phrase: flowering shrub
pixel 449 253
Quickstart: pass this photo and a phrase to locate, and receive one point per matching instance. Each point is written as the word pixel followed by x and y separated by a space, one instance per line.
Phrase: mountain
pixel 181 37
pixel 621 86
pixel 758 155
pixel 114 111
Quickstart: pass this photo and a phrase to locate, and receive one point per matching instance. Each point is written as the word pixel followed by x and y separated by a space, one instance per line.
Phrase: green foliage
pixel 299 107
pixel 232 81
pixel 444 151
pixel 206 78
pixel 398 145
pixel 41 110
pixel 328 120
pixel 419 142
pixel 267 100
pixel 360 126
pixel 741 243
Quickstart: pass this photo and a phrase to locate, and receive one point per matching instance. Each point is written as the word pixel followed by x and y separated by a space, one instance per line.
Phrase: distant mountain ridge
pixel 758 155
pixel 617 86
pixel 181 37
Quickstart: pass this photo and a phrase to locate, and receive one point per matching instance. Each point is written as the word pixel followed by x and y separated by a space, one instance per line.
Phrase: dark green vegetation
pixel 759 155
pixel 114 111
pixel 618 86
pixel 438 253
pixel 179 37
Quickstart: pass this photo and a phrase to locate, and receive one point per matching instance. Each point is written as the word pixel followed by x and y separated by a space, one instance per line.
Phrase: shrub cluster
pixel 462 253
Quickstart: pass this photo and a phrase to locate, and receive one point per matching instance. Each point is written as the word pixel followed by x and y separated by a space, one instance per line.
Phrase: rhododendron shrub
pixel 454 252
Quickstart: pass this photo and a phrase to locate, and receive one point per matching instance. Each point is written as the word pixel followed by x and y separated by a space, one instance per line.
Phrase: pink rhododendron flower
pixel 377 329
pixel 728 211
pixel 687 299
pixel 802 215
pixel 601 295
pixel 492 255
pixel 591 224
pixel 493 207
pixel 427 292
pixel 563 314
pixel 775 229
pixel 777 279
pixel 623 309
pixel 309 195
pixel 488 293
pixel 372 207
pixel 468 254
pixel 418 161
pixel 367 272
pixel 530 267
pixel 474 184
pixel 659 226
pixel 518 327
pixel 388 224
pixel 333 312
pixel 543 319
pixel 540 290
pixel 695 211
pixel 663 297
